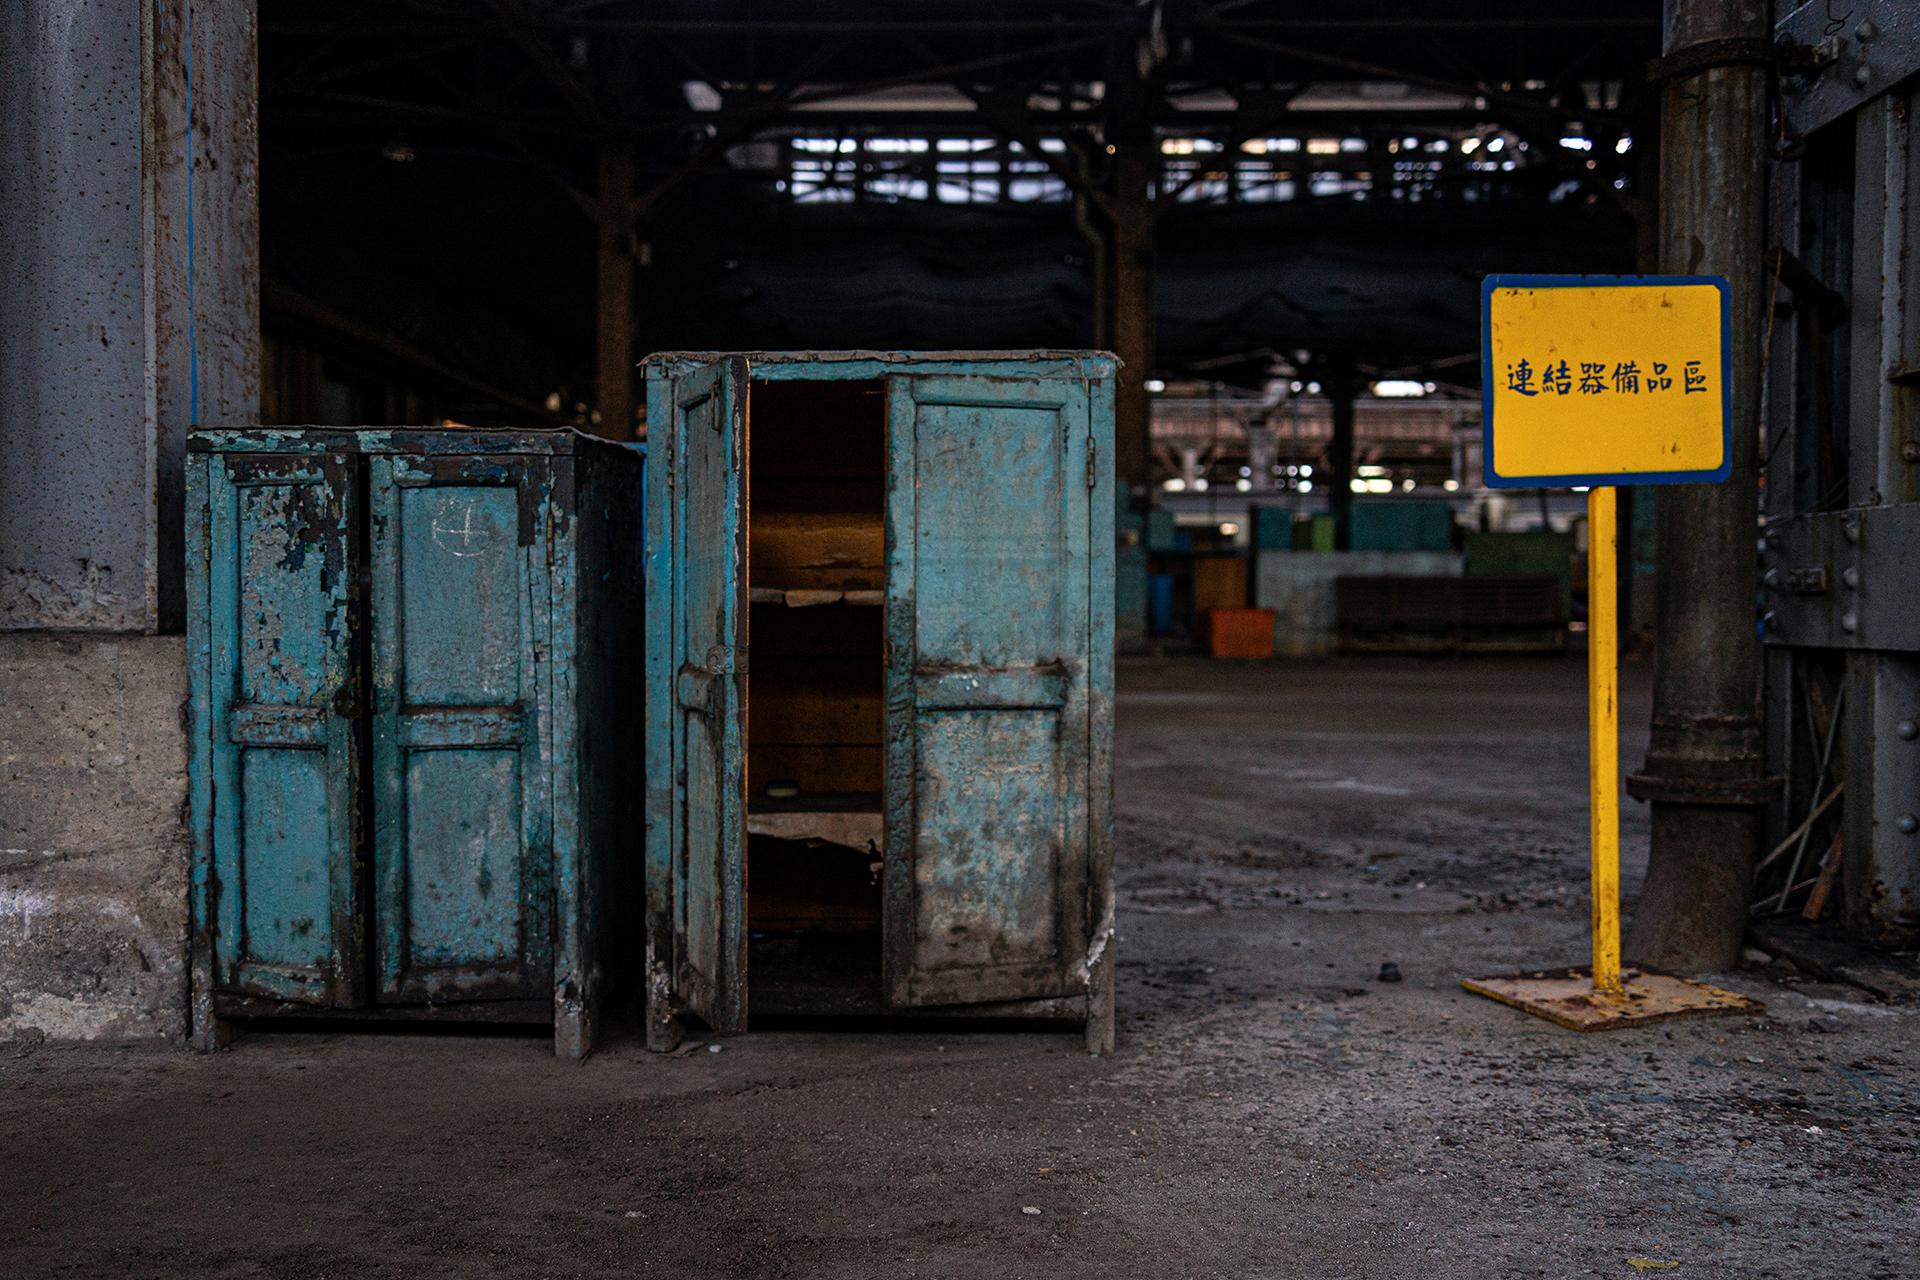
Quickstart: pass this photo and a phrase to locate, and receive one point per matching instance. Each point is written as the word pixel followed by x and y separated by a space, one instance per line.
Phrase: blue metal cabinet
pixel 879 666
pixel 412 791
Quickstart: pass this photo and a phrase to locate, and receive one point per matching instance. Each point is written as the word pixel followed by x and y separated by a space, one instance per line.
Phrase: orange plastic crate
pixel 1240 633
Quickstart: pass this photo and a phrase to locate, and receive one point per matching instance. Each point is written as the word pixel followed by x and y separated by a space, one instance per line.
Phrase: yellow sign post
pixel 1589 382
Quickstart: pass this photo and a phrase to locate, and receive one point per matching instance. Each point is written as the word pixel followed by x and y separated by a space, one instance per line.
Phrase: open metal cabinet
pixel 413 785
pixel 902 802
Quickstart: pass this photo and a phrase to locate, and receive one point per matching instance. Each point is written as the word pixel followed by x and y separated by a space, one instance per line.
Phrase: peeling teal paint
pixel 390 788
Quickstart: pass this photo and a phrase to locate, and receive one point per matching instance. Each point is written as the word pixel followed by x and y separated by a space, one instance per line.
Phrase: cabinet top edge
pixel 869 363
pixel 402 440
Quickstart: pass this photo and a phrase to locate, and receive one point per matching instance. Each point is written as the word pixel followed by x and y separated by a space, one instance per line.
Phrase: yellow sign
pixel 1604 380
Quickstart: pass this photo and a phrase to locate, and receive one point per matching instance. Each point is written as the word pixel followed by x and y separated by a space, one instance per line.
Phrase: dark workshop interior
pixel 749 638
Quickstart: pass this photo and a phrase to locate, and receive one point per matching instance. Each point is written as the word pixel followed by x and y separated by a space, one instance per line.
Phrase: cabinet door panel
pixel 696 872
pixel 988 636
pixel 463 845
pixel 285 759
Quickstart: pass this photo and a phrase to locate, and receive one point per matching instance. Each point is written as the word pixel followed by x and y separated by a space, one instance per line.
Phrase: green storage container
pixel 1402 524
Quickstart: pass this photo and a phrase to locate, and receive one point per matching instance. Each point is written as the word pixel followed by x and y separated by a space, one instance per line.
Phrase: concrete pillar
pixel 1703 773
pixel 130 256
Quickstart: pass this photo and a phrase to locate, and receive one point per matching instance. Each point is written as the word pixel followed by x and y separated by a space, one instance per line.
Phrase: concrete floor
pixel 1273 1109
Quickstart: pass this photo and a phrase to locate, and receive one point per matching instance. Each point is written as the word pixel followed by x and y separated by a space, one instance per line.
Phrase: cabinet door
pixel 696 808
pixel 461 796
pixel 988 644
pixel 285 755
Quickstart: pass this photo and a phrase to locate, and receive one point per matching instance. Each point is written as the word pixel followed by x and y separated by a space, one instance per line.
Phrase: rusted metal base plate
pixel 1566 997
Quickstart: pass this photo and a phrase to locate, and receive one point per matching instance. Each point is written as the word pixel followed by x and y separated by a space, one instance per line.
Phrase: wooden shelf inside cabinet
pixel 817 802
pixel 809 597
pixel 852 819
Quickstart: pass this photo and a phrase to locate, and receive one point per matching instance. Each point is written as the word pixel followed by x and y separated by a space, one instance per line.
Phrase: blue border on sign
pixel 1497 481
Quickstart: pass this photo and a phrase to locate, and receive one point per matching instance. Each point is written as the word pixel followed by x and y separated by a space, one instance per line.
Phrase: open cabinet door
pixel 988 644
pixel 697 552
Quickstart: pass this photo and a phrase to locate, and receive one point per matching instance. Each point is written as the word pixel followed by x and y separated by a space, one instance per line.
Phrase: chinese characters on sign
pixel 1595 379
pixel 1603 380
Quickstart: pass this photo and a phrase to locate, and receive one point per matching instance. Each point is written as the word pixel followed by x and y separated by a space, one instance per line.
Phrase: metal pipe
pixel 1704 773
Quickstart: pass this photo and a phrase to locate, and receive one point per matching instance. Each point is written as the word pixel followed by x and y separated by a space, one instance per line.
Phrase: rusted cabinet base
pixel 411 797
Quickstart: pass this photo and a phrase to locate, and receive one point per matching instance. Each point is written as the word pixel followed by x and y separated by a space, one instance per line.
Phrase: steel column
pixel 1341 390
pixel 1703 772
pixel 1134 164
pixel 614 321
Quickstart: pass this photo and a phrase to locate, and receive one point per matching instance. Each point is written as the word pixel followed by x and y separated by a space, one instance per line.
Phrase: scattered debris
pixel 1883 975
pixel 715 1048
pixel 1389 972
pixel 1639 1263
pixel 1825 1026
pixel 1032 1211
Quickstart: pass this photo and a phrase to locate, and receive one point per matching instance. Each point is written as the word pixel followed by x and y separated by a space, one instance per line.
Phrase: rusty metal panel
pixel 988 736
pixel 1881 815
pixel 281 712
pixel 1840 579
pixel 462 616
pixel 1835 57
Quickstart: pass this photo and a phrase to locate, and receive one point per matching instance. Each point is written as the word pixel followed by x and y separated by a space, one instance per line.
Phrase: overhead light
pixel 1574 142
pixel 1306 486
pixel 1451 486
pixel 1243 484
pixel 1394 387
pixel 1156 385
pixel 1173 484
pixel 1200 484
pixel 1306 469
pixel 1406 486
pixel 1623 146
pixel 1228 529
pixel 1370 469
pixel 1379 486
